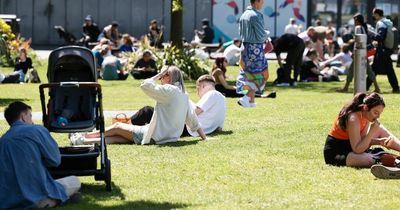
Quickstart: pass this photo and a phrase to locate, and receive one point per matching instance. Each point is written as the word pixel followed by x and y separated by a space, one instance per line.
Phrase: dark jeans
pixel 11 78
pixel 227 92
pixel 143 74
pixel 142 116
pixel 383 64
pixel 294 59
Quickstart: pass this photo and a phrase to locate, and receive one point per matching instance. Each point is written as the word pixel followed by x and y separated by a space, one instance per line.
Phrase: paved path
pixel 107 114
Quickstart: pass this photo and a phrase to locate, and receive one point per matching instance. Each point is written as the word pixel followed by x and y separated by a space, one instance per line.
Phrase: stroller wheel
pixel 108 175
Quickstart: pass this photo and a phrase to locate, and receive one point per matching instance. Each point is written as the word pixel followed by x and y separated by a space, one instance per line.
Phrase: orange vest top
pixel 338 133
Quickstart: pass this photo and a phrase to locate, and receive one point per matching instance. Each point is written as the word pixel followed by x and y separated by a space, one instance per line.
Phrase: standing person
pixel 207 33
pixel 22 64
pixel 26 151
pixel 171 113
pixel 360 28
pixel 294 46
pixel 382 61
pixel 292 28
pixel 355 130
pixel 90 30
pixel 253 64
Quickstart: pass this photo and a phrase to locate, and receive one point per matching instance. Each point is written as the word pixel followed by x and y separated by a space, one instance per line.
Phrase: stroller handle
pixel 69 84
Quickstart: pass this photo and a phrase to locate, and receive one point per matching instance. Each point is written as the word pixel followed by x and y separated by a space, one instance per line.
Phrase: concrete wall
pixel 38 17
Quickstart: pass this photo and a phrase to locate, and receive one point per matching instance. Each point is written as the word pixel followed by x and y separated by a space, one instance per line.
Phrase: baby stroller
pixel 72 91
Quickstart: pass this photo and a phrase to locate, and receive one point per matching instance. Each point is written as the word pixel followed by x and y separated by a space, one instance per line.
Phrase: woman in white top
pixel 171 113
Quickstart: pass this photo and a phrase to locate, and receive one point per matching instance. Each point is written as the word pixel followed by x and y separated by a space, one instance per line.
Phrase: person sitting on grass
pixel 221 85
pixel 127 44
pixel 112 68
pixel 22 64
pixel 210 109
pixel 171 113
pixel 145 67
pixel 26 150
pixel 355 130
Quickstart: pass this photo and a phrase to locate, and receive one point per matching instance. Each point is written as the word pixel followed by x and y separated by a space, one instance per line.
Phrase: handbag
pixel 269 47
pixel 121 117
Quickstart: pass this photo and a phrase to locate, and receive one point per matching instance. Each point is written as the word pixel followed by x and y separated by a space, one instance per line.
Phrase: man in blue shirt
pixel 254 67
pixel 26 150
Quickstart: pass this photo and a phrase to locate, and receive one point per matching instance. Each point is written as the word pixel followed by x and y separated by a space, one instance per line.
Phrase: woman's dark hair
pixel 371 100
pixel 360 18
pixel 13 111
pixel 219 64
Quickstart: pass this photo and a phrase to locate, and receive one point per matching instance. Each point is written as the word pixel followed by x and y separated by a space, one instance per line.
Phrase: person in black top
pixel 207 34
pixel 294 46
pixel 22 64
pixel 144 67
pixel 90 30
pixel 155 35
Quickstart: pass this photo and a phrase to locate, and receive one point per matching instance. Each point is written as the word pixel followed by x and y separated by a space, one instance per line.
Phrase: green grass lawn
pixel 268 157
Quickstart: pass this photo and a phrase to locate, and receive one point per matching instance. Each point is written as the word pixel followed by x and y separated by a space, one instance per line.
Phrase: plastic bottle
pixel 61 121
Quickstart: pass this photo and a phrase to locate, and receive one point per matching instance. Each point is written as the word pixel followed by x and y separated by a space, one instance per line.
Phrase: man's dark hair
pixel 13 111
pixel 253 1
pixel 378 11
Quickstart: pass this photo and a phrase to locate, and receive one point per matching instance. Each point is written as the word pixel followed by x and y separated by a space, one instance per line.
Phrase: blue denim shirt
pixel 25 152
pixel 251 26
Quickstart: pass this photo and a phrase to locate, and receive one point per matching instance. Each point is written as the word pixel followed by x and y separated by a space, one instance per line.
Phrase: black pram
pixel 76 97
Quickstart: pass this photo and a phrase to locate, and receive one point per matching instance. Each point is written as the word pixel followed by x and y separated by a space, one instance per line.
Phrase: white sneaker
pixel 76 138
pixel 252 104
pixel 384 172
pixel 244 101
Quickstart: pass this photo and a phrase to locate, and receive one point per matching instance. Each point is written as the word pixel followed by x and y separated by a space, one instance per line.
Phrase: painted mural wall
pixel 226 14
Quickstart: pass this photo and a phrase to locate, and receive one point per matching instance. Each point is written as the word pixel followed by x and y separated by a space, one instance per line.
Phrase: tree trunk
pixel 176 23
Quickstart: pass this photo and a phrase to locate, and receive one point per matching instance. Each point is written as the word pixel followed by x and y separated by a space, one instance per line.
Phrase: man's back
pixel 25 152
pixel 214 108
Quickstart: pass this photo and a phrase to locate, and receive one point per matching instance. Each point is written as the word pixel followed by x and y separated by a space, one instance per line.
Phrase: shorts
pixel 139 132
pixel 336 151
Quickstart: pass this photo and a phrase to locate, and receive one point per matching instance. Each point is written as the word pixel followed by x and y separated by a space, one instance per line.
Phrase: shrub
pixel 10 44
pixel 192 66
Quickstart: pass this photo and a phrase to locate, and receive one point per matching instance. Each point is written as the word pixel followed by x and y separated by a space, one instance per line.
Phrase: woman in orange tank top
pixel 355 129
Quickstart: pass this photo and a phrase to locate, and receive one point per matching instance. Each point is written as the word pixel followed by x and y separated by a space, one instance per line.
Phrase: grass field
pixel 268 157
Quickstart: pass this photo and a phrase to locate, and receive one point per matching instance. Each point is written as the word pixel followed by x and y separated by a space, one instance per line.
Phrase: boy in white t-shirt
pixel 211 107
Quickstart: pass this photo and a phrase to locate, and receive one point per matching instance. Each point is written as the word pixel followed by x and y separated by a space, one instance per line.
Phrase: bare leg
pixel 392 144
pixel 363 160
pixel 109 140
pixel 117 129
pixel 377 89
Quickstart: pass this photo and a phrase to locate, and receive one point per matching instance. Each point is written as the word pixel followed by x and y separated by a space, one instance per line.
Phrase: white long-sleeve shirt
pixel 171 113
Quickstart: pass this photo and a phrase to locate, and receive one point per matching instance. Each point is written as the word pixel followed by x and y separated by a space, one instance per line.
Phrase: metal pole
pixel 360 63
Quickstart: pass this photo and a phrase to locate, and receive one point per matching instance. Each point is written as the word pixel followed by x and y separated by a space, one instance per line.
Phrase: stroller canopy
pixel 71 63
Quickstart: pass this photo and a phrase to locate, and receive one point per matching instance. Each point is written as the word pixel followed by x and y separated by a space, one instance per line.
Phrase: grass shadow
pixel 98 191
pixel 140 204
pixel 179 143
pixel 219 132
